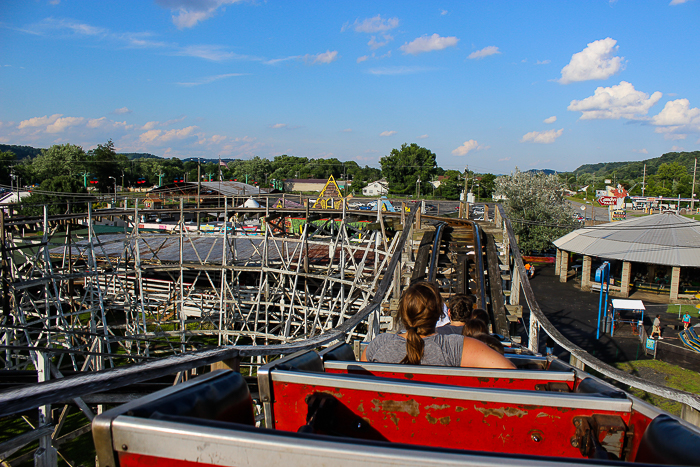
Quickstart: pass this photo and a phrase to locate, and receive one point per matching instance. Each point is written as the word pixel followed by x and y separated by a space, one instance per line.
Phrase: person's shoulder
pixel 451 339
pixel 383 337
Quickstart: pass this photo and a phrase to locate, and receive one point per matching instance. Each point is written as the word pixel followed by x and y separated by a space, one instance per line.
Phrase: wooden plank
pixel 497 304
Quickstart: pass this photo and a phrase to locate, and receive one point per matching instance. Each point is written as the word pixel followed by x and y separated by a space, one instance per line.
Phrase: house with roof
pixel 378 188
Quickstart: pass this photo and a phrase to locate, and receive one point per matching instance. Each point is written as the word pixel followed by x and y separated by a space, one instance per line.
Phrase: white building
pixel 378 188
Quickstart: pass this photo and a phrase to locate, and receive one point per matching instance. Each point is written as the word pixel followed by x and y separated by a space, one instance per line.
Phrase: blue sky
pixel 492 85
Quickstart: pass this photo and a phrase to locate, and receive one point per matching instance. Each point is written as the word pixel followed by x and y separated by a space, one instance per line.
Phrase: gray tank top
pixel 440 349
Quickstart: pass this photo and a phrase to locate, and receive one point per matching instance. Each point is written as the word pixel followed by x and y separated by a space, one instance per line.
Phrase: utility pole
pixel 692 192
pixel 644 178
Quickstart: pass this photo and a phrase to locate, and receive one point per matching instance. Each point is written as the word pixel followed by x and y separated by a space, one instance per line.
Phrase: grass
pixel 690 309
pixel 674 377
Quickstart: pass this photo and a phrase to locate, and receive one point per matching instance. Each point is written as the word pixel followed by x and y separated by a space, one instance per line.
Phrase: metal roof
pixel 225 188
pixel 667 239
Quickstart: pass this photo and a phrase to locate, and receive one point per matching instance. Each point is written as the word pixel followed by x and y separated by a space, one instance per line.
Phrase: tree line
pixel 69 168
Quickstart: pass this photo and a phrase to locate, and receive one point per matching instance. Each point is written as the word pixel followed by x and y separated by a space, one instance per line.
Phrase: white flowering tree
pixel 536 207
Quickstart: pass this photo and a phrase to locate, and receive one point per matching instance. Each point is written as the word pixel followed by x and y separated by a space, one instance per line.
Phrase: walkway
pixel 575 314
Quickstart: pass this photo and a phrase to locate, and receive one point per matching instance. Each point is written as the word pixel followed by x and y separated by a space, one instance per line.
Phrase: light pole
pixel 115 191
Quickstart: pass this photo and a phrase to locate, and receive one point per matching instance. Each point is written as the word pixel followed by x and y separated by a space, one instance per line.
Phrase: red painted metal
pixel 455 380
pixel 447 423
pixel 607 200
pixel 127 459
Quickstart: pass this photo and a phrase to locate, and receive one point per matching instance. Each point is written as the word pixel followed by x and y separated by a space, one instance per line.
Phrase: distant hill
pixel 27 151
pixel 139 155
pixel 632 170
pixel 20 151
pixel 542 171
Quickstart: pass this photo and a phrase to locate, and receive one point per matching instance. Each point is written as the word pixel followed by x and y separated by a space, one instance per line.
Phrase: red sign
pixel 607 201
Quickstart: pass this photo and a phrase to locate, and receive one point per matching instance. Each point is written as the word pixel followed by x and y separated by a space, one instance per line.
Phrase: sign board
pixel 618 215
pixel 607 200
pixel 650 347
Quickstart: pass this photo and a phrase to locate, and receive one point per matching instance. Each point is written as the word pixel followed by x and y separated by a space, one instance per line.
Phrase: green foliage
pixel 451 187
pixel 51 193
pixel 536 207
pixel 402 168
pixel 7 159
pixel 59 160
pixel 486 186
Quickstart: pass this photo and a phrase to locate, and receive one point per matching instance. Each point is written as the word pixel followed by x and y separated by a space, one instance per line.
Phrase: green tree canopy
pixel 56 193
pixel 536 206
pixel 403 167
pixel 59 159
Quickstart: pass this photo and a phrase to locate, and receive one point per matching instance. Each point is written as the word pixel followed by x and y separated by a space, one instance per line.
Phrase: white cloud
pixel 374 44
pixel 311 59
pixel 362 59
pixel 485 52
pixel 105 124
pixel 543 137
pixel 543 62
pixel 75 27
pixel 551 119
pixel 428 44
pixel 325 57
pixel 189 13
pixel 641 151
pixel 677 112
pixel 614 102
pixel 160 136
pixel 423 136
pixel 675 148
pixel 596 61
pixel 387 133
pixel 39 121
pixel 466 147
pixel 678 2
pixel 504 159
pixel 278 125
pixel 61 124
pixel 347 130
pixel 214 53
pixel 210 79
pixel 122 111
pixel 373 25
pixel 443 12
pixel 677 119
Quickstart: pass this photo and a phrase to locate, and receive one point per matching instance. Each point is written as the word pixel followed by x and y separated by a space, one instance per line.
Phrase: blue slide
pixel 690 339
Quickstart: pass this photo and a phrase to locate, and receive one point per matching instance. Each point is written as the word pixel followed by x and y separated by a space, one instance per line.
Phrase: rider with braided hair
pixel 420 307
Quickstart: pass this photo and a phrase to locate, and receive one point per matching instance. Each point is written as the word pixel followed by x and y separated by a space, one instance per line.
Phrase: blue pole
pixel 606 266
pixel 600 306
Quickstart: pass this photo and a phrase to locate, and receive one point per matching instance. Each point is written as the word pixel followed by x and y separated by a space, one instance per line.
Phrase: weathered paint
pixel 410 407
pixel 432 420
pixel 436 407
pixel 502 411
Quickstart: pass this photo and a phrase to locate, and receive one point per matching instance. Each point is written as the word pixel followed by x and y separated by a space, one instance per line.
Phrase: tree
pixel 536 207
pixel 452 186
pixel 7 160
pixel 59 159
pixel 56 193
pixel 403 168
pixel 104 162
